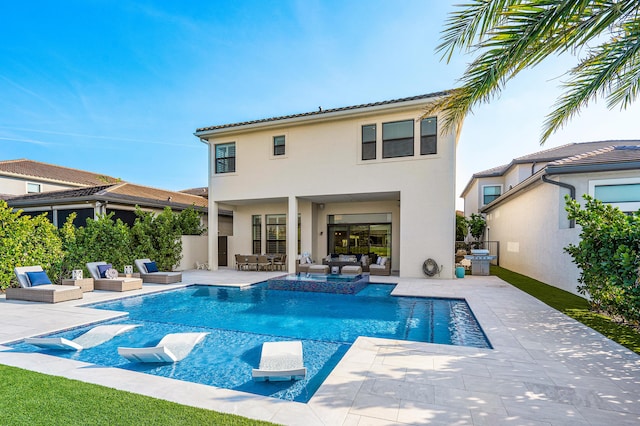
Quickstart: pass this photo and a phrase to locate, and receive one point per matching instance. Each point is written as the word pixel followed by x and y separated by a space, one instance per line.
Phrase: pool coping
pixel 544 368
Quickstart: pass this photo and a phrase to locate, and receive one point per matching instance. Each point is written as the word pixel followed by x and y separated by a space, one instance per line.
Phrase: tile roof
pixel 570 150
pixel 125 193
pixel 606 155
pixel 202 191
pixel 323 111
pixel 36 169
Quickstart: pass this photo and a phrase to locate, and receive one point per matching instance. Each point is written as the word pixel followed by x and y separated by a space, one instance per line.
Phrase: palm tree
pixel 510 35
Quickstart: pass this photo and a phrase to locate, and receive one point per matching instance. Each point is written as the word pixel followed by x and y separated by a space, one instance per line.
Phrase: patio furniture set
pixel 35 285
pixel 264 262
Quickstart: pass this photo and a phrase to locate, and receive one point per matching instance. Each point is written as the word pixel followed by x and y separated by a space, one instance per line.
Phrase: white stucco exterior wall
pixel 323 166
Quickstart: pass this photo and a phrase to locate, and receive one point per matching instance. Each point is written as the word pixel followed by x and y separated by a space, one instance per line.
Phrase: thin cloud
pixel 111 138
pixel 31 141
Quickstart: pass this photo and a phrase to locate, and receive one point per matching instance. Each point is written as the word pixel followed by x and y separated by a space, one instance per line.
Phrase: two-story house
pixel 372 178
pixel 524 203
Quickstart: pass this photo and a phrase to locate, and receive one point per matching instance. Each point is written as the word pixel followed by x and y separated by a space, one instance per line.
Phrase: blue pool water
pixel 240 320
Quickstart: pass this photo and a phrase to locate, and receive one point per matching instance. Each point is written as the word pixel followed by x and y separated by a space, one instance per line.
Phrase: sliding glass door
pixel 347 236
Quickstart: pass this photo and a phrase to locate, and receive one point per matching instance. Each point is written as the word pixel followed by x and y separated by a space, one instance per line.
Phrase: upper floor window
pixel 429 136
pixel 397 139
pixel 33 188
pixel 621 193
pixel 490 193
pixel 369 142
pixel 278 145
pixel 226 157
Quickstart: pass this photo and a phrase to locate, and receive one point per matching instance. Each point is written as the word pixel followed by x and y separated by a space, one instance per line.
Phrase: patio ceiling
pixel 323 199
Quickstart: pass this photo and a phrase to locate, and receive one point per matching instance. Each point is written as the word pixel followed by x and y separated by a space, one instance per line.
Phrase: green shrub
pixel 607 255
pixel 27 241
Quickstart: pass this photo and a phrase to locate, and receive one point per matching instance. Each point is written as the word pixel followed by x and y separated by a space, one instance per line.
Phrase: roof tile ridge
pixel 160 189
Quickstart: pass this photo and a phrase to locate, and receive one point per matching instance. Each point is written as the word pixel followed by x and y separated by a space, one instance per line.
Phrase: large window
pixel 369 142
pixel 429 136
pixel 226 157
pixel 490 193
pixel 621 193
pixel 276 234
pixel 256 232
pixel 397 139
pixel 278 145
pixel 360 234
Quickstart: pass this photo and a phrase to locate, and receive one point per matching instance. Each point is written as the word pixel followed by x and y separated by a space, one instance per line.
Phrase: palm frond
pixel 612 70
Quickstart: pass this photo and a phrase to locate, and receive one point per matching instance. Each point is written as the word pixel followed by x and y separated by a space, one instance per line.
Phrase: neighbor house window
pixel 397 139
pixel 226 157
pixel 369 142
pixel 256 232
pixel 429 136
pixel 621 193
pixel 490 193
pixel 33 188
pixel 278 145
pixel 276 234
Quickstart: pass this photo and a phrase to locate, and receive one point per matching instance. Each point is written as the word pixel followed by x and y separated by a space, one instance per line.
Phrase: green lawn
pixel 30 398
pixel 571 305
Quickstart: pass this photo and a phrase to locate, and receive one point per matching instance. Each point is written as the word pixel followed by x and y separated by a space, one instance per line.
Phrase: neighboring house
pixel 370 178
pixel 20 177
pixel 524 202
pixel 120 199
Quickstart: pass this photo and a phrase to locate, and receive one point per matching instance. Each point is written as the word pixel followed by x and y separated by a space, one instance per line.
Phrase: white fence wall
pixel 194 249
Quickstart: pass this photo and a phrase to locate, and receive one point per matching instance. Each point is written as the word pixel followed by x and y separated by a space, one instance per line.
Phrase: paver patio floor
pixel 544 368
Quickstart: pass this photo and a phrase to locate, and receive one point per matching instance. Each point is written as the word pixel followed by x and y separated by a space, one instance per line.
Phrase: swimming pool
pixel 240 320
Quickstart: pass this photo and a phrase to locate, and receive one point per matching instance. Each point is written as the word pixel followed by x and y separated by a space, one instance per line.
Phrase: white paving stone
pixel 544 368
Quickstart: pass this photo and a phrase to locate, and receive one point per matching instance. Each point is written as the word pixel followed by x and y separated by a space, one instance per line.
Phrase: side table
pixel 86 284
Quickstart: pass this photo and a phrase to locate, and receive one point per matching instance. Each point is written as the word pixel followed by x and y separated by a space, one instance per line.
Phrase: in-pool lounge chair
pixel 280 361
pixel 94 337
pixel 172 348
pixel 155 276
pixel 31 291
pixel 115 284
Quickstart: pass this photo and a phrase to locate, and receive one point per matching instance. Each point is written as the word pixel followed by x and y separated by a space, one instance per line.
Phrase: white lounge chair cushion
pixel 172 348
pixel 140 265
pixel 93 269
pixel 280 361
pixel 21 274
pixel 94 337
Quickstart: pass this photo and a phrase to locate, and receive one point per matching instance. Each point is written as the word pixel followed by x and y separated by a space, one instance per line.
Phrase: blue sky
pixel 118 88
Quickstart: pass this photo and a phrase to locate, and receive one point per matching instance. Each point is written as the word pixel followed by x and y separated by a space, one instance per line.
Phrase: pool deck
pixel 544 368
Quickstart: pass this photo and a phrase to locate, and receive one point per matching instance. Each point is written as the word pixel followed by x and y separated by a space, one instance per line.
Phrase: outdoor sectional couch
pixel 348 260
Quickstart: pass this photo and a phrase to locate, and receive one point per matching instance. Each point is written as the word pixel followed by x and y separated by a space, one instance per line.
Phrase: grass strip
pixel 573 306
pixel 30 398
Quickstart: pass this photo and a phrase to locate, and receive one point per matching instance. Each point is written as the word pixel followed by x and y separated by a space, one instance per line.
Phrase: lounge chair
pixel 115 284
pixel 94 337
pixel 156 277
pixel 280 361
pixel 172 348
pixel 48 293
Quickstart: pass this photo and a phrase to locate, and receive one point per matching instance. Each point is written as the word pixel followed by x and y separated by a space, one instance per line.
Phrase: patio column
pixel 292 234
pixel 213 235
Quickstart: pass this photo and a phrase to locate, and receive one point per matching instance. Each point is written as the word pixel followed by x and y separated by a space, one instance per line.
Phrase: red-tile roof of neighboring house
pixel 202 191
pixel 125 193
pixel 321 112
pixel 50 172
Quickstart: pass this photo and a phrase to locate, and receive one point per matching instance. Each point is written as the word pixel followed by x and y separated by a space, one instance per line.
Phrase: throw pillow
pixel 102 269
pixel 151 267
pixel 378 260
pixel 38 278
pixel 383 261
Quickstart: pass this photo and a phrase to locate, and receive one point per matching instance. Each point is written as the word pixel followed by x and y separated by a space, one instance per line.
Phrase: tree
pixel 477 225
pixel 512 35
pixel 462 227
